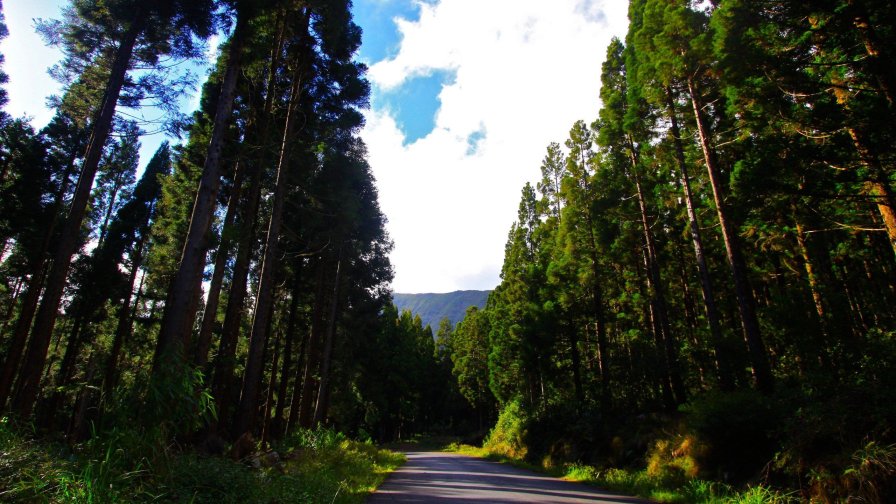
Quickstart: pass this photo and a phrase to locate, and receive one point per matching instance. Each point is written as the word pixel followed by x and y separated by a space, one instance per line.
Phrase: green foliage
pixel 507 438
pixel 127 466
pixel 469 355
pixel 177 400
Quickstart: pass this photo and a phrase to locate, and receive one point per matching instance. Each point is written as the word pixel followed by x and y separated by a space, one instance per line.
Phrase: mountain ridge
pixel 432 307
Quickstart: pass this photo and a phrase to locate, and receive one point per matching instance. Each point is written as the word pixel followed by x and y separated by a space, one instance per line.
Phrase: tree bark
pixel 323 394
pixel 278 426
pixel 270 264
pixel 877 185
pixel 210 315
pixel 180 313
pixel 312 359
pixel 762 374
pixel 724 372
pixel 126 313
pixel 222 384
pixel 655 286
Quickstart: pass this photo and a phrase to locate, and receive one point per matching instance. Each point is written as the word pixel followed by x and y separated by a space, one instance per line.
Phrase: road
pixel 436 477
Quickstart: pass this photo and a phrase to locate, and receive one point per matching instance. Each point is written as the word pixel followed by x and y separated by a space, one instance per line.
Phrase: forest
pixel 699 294
pixel 701 284
pixel 235 295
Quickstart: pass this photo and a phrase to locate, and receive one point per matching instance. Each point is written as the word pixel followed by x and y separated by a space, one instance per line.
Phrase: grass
pixel 317 467
pixel 641 484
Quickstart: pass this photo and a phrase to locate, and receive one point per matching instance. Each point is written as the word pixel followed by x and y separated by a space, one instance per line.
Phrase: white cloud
pixel 526 70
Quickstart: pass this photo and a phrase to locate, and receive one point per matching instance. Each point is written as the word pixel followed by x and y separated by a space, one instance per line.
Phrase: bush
pixel 508 436
pixel 675 461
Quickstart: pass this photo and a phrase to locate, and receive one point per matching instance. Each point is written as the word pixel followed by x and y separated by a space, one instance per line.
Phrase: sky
pixel 466 96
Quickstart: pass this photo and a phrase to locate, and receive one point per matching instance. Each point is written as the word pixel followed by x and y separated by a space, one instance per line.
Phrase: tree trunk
pixel 77 430
pixel 272 382
pixel 814 283
pixel 179 314
pixel 278 427
pixel 762 373
pixel 655 287
pixel 576 367
pixel 597 304
pixel 295 404
pixel 877 185
pixel 664 378
pixel 312 361
pixel 270 264
pixel 880 63
pixel 323 394
pixel 222 384
pixel 723 362
pixel 126 313
pixel 210 315
pixel 28 384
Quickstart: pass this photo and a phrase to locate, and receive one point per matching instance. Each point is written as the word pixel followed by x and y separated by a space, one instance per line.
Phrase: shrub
pixel 508 436
pixel 872 476
pixel 675 461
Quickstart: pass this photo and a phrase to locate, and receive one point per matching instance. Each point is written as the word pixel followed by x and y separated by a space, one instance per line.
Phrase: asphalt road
pixel 436 477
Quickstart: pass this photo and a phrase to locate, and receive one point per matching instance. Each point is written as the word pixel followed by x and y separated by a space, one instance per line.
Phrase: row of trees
pixel 725 223
pixel 241 285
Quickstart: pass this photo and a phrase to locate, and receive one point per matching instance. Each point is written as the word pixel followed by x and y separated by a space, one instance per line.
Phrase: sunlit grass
pixel 317 467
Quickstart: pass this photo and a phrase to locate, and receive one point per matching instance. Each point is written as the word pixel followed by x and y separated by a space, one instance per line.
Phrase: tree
pixel 158 28
pixel 469 354
pixel 677 38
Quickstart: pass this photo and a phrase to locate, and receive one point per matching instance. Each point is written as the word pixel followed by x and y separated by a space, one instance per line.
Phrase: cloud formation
pixel 525 71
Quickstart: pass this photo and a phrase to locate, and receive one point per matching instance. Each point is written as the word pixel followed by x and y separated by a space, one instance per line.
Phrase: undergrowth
pixel 124 466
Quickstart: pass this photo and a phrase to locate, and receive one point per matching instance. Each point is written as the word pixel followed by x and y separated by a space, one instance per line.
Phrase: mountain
pixel 432 308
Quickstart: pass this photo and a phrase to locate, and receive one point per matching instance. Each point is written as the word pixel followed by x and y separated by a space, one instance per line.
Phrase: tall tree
pixel 158 28
pixel 677 40
pixel 183 294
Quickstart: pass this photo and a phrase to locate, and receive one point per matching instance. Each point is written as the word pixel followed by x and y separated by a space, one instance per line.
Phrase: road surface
pixel 436 477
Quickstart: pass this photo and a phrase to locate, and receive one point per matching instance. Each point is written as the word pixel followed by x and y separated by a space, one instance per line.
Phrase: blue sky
pixel 466 96
pixel 415 104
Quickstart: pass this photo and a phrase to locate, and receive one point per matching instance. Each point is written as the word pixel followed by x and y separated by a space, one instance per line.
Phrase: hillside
pixel 432 308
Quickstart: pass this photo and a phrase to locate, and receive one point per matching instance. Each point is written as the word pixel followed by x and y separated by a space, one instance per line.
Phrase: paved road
pixel 435 477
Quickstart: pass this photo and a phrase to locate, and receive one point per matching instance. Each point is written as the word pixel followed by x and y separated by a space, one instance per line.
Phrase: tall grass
pixel 124 466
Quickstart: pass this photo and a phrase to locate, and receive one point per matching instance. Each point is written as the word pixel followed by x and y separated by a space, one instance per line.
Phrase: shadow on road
pixel 432 477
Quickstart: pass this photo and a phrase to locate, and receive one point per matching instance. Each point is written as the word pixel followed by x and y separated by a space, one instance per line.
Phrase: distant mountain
pixel 432 308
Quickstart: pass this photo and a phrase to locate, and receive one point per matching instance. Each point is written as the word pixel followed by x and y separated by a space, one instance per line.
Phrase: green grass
pixel 317 467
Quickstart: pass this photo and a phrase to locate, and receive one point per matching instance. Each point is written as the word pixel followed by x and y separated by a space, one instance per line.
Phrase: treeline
pixel 725 225
pixel 241 285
